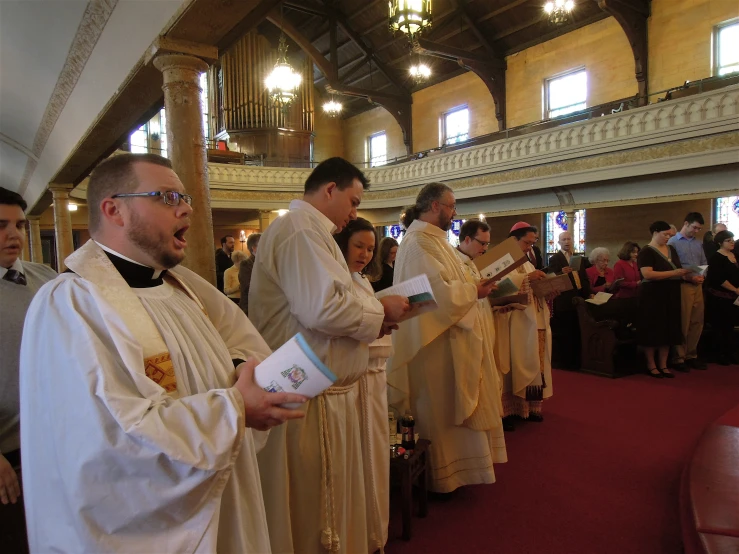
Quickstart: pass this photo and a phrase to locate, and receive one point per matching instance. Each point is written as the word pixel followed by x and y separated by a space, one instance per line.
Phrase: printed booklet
pixel 294 367
pixel 418 292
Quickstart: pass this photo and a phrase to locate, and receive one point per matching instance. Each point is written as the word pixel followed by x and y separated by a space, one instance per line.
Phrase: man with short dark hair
pixel 19 282
pixel 139 412
pixel 223 259
pixel 690 250
pixel 245 270
pixel 301 284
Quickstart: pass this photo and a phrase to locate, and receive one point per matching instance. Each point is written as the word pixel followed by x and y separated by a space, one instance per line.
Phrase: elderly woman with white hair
pixel 231 287
pixel 600 275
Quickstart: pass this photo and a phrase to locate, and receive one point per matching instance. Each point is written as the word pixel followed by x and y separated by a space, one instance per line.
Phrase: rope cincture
pixel 329 535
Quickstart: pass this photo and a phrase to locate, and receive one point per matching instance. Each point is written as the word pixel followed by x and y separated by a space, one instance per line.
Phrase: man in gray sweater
pixel 19 282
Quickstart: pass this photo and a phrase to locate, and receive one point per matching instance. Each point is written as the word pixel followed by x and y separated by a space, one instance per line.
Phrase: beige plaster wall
pixel 601 48
pixel 680 34
pixel 329 136
pixel 430 104
pixel 357 129
pixel 611 227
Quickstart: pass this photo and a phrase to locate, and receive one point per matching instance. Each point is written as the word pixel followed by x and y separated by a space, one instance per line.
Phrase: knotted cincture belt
pixel 329 536
pixel 364 393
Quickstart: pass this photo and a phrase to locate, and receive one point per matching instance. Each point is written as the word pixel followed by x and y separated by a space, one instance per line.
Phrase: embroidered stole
pixel 92 264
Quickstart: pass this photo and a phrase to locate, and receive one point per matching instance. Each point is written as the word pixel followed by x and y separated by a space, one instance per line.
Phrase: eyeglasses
pixel 170 197
pixel 452 207
pixel 482 242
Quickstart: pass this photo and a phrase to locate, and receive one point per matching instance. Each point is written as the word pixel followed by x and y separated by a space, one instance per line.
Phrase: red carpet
pixel 600 475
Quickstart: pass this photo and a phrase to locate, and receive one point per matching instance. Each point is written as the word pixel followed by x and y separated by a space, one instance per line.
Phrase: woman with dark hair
pixel 388 251
pixel 627 269
pixel 659 324
pixel 722 288
pixel 357 242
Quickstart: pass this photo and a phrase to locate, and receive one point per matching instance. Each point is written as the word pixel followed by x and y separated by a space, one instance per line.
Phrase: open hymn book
pixel 294 367
pixel 418 292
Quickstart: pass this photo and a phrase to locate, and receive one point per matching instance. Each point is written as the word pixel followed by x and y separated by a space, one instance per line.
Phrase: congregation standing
pixel 149 433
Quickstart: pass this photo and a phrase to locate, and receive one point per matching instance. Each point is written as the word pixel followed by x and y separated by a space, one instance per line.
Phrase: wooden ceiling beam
pixel 489 68
pixel 633 21
pixel 462 6
pixel 307 7
pixel 353 35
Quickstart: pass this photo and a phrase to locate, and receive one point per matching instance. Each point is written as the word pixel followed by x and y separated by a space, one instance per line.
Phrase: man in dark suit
pixel 245 270
pixel 565 326
pixel 223 259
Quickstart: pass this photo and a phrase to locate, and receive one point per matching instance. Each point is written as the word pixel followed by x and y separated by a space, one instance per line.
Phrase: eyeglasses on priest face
pixel 170 197
pixel 482 242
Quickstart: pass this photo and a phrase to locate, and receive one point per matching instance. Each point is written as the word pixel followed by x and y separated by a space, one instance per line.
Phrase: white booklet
pixel 294 367
pixel 418 292
pixel 600 298
pixel 697 269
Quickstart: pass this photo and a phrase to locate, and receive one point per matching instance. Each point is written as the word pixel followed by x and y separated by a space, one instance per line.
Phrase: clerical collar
pixel 136 275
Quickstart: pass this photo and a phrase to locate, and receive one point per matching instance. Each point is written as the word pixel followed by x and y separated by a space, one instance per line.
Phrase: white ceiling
pixel 35 40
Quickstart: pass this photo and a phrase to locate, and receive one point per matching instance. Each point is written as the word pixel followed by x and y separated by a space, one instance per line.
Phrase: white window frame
pixel 715 68
pixel 376 161
pixel 547 108
pixel 444 134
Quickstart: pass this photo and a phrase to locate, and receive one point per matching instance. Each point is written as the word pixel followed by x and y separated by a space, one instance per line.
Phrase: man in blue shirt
pixel 690 250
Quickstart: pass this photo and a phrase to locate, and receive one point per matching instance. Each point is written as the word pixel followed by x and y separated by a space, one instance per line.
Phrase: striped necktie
pixel 15 276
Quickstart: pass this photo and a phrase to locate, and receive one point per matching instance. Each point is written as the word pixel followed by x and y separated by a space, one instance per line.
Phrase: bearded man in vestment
pixel 526 359
pixel 443 365
pixel 136 399
pixel 312 471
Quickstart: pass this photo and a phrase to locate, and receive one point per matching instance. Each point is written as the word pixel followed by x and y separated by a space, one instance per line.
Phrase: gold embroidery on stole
pixel 160 369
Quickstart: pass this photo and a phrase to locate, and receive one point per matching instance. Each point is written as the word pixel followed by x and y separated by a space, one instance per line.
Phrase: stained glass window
pixel 556 223
pixel 395 231
pixel 453 233
pixel 727 212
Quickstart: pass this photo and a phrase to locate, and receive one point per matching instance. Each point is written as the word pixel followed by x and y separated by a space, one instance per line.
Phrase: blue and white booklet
pixel 294 367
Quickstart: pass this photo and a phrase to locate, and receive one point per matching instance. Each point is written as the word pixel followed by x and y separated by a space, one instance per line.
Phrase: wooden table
pixel 405 473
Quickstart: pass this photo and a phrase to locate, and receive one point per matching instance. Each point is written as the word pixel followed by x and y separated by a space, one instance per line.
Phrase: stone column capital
pixel 168 62
pixel 60 188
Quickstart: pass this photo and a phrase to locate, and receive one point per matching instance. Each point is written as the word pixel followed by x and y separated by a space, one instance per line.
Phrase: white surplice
pixel 113 463
pixel 311 469
pixel 443 366
pixel 373 408
pixel 524 362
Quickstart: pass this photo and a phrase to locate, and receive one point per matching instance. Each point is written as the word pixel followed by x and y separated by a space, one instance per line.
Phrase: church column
pixel 34 238
pixel 62 224
pixel 186 145
pixel 264 220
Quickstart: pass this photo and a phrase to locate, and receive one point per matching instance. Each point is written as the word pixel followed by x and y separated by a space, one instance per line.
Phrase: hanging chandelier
pixel 332 108
pixel 420 72
pixel 410 16
pixel 283 82
pixel 559 11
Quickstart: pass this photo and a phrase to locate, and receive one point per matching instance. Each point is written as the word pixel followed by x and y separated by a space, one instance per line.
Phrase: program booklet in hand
pixel 600 298
pixel 418 292
pixel 294 367
pixel 500 260
pixel 507 293
pixel 553 283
